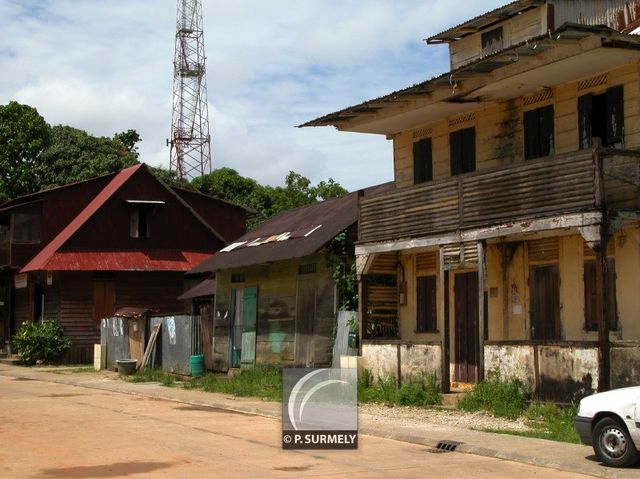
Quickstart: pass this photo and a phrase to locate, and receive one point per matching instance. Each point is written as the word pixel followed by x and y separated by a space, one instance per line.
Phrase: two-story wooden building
pixel 511 242
pixel 79 252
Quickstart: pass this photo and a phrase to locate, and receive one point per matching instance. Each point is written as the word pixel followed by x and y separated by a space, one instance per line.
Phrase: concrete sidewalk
pixel 539 452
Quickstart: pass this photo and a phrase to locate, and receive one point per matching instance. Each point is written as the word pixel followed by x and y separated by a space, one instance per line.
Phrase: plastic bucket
pixel 126 366
pixel 197 365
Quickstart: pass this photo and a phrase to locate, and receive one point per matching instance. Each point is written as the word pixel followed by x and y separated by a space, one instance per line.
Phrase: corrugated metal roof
pixel 310 228
pixel 139 260
pixel 204 288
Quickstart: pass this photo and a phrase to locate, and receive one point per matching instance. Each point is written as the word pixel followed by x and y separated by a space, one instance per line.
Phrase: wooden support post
pixel 443 314
pixel 482 267
pixel 603 313
pixel 362 311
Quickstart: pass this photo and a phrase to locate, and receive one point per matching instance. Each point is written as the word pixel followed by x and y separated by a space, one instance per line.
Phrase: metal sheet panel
pixel 115 336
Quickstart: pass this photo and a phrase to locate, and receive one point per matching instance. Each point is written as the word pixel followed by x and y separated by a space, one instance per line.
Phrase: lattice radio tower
pixel 190 141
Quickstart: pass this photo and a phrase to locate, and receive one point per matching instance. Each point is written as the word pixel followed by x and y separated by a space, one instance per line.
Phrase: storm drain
pixel 445 446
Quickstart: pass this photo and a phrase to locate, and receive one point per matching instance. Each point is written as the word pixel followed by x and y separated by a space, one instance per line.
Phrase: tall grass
pixel 261 381
pixel 419 391
pixel 501 398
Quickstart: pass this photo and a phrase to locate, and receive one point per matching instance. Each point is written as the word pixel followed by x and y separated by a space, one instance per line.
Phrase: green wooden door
pixel 249 317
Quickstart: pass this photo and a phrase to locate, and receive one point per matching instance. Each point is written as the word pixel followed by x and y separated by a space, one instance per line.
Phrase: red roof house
pixel 79 252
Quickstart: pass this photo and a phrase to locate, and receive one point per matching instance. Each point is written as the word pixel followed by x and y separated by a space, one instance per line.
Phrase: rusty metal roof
pixel 204 288
pixel 139 260
pixel 485 20
pixel 291 234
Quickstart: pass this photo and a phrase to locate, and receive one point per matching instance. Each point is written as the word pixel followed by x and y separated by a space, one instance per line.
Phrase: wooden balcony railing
pixel 581 181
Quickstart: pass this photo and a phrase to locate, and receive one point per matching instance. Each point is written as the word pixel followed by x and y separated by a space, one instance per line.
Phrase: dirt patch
pixel 61 395
pixel 292 468
pixel 107 470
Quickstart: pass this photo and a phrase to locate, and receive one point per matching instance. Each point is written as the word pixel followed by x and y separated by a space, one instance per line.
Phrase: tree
pixel 74 155
pixel 24 136
pixel 228 184
pixel 129 140
pixel 170 178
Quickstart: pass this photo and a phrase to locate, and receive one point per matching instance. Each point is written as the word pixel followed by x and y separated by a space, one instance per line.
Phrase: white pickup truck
pixel 610 422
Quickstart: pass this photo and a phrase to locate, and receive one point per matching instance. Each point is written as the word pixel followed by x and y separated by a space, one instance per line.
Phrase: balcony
pixel 576 182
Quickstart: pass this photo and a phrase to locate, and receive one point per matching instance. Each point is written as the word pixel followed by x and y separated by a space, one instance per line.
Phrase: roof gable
pixel 51 254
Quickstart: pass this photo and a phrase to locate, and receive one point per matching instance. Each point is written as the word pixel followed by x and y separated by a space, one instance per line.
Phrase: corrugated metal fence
pixel 178 340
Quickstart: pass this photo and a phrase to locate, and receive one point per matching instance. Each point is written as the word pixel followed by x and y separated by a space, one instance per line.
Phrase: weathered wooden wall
pixel 499 127
pixel 279 320
pixel 514 30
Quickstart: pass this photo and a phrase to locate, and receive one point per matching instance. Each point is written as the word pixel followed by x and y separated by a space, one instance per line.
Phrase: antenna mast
pixel 190 141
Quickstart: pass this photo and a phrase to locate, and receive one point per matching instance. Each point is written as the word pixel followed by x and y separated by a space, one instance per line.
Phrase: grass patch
pixel 501 398
pixel 547 421
pixel 261 381
pixel 509 398
pixel 420 391
pixel 150 375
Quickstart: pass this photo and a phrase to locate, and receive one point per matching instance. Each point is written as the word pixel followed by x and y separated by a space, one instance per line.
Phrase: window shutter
pixel 530 121
pixel 584 121
pixel 469 149
pixel 455 142
pixel 545 140
pixel 426 310
pixel 422 161
pixel 615 116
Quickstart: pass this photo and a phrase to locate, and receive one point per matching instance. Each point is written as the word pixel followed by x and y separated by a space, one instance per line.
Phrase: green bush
pixel 501 398
pixel 43 342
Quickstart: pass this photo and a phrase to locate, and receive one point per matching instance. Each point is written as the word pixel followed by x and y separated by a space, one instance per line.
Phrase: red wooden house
pixel 79 252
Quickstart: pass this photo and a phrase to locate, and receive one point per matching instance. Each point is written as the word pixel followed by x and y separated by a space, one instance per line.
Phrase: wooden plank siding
pixel 554 185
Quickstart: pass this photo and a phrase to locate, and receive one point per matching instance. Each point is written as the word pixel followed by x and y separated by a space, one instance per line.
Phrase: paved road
pixel 52 430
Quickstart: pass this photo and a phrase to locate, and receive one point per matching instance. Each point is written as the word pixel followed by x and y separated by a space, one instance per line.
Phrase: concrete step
pixel 450 400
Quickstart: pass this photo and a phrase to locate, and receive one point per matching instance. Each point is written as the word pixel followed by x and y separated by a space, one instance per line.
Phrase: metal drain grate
pixel 445 446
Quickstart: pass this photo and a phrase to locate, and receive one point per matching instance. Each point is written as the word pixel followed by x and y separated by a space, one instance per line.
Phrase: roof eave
pixel 349 120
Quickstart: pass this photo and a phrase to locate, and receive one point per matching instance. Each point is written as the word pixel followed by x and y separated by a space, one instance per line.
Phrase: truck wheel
pixel 613 445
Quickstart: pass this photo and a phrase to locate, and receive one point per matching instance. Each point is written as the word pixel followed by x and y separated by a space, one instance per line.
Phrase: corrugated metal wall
pixel 613 13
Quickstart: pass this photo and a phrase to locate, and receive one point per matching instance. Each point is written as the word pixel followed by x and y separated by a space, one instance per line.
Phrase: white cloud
pixel 106 66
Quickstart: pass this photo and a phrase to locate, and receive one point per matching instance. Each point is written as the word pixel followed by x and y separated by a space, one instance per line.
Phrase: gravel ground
pixel 414 416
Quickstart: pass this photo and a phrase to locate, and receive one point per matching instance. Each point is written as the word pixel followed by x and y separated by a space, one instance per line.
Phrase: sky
pixel 106 66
